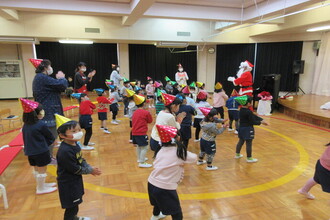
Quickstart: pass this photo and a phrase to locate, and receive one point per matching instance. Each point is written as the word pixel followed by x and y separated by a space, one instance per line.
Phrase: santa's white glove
pixel 231 79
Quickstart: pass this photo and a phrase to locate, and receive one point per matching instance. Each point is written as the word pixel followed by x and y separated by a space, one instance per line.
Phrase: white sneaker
pixel 200 163
pixel 118 120
pixel 145 159
pixel 238 156
pixel 107 131
pixel 46 190
pixel 84 218
pixel 160 216
pixel 114 122
pixel 49 184
pixel 87 148
pixel 308 195
pixel 145 165
pixel 236 132
pixel 211 168
pixel 101 128
pixel 91 143
pixel 230 129
pixel 130 141
pixel 197 140
pixel 126 116
pixel 252 160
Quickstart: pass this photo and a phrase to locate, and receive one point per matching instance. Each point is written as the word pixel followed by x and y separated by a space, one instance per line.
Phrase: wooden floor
pixel 287 153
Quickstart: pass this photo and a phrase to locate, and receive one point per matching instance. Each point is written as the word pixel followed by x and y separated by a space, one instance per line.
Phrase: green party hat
pixel 167 79
pixel 242 99
pixel 173 82
pixel 159 92
pixel 192 84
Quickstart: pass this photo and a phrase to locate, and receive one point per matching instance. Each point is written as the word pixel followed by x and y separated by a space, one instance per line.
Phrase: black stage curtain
pixel 277 58
pixel 65 57
pixel 148 60
pixel 228 60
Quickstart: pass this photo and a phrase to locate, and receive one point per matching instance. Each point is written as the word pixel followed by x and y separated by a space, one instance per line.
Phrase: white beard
pixel 240 72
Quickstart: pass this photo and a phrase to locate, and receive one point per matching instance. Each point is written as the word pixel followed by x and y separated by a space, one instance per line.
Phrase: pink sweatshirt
pixel 168 168
pixel 325 159
pixel 219 99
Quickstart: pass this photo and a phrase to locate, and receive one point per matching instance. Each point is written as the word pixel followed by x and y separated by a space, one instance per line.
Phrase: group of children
pixel 169 140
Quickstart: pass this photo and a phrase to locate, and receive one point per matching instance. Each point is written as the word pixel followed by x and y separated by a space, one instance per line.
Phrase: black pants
pixel 248 146
pixel 88 135
pixel 71 213
pixel 177 216
pixel 231 124
pixel 185 142
pixel 114 114
pixel 126 102
pixel 220 111
pixel 198 130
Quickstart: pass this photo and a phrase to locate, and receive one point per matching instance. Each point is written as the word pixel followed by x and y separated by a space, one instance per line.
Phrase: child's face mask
pixel 77 136
pixel 50 70
pixel 41 114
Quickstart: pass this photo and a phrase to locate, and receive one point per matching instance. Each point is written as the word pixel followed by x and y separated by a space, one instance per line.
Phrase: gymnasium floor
pixel 287 153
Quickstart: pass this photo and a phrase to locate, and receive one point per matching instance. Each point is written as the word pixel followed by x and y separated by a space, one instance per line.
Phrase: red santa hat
pixel 246 63
pixel 166 133
pixel 28 105
pixel 205 111
pixel 35 62
pixel 168 99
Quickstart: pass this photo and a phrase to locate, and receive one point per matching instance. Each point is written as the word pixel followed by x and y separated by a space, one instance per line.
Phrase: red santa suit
pixel 244 79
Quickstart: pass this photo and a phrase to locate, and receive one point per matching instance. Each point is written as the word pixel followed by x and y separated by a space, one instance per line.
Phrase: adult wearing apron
pixel 80 79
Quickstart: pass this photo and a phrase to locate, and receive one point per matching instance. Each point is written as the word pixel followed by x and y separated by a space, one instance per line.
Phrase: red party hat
pixel 149 78
pixel 202 95
pixel 28 105
pixel 157 84
pixel 234 93
pixel 35 62
pixel 204 110
pixel 179 65
pixel 186 90
pixel 167 98
pixel 166 133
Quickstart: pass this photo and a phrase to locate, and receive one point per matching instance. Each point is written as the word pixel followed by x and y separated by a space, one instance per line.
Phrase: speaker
pixel 298 66
pixel 271 84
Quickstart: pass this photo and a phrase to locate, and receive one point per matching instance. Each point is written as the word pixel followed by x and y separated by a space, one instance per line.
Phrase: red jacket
pixel 140 120
pixel 245 81
pixel 86 108
pixel 103 101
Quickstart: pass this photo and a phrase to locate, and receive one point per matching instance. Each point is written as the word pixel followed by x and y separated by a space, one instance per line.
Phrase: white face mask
pixel 42 114
pixel 83 69
pixel 77 136
pixel 117 69
pixel 180 69
pixel 50 71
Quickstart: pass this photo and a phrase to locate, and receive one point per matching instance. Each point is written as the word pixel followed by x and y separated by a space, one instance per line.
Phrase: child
pixel 185 129
pixel 168 172
pixel 233 112
pixel 114 105
pixel 102 109
pixel 219 99
pixel 85 120
pixel 37 137
pixel 140 120
pixel 168 87
pixel 123 93
pixel 246 130
pixel 186 93
pixel 321 175
pixel 159 103
pixel 71 166
pixel 193 91
pixel 200 102
pixel 175 89
pixel 210 127
pixel 131 109
pixel 150 89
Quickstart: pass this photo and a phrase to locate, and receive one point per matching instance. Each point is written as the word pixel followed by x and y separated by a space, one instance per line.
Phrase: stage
pixel 306 108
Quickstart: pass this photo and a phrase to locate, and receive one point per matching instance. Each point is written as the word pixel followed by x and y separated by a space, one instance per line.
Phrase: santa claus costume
pixel 181 76
pixel 244 79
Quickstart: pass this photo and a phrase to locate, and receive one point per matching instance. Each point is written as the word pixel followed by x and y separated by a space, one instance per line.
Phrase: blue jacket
pixel 47 91
pixel 232 104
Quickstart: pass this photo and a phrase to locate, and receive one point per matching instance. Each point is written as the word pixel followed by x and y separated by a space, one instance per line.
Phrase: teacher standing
pixel 80 79
pixel 115 76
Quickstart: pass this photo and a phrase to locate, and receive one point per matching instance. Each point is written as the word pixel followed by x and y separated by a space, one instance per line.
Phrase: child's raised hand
pixel 96 171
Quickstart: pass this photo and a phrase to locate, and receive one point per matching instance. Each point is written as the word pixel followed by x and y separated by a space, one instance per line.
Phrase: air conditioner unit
pixel 172 44
pixel 19 39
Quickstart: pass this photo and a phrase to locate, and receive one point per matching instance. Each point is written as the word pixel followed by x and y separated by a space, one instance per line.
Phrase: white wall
pixel 206 66
pixel 309 55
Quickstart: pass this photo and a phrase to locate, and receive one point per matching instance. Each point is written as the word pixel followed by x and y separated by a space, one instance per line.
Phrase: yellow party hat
pixel 138 99
pixel 218 86
pixel 60 120
pixel 130 93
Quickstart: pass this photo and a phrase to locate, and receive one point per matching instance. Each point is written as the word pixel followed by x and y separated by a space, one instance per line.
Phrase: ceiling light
pixel 18 39
pixel 75 41
pixel 322 28
pixel 172 44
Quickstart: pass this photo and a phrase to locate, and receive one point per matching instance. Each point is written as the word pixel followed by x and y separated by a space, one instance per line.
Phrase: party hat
pixel 168 99
pixel 76 95
pixel 199 84
pixel 205 111
pixel 138 99
pixel 126 80
pixel 218 86
pixel 157 84
pixel 130 93
pixel 173 82
pixel 132 83
pixel 35 62
pixel 167 79
pixel 99 91
pixel 192 84
pixel 137 88
pixel 183 85
pixel 159 92
pixel 166 133
pixel 149 78
pixel 242 99
pixel 59 119
pixel 202 95
pixel 179 65
pixel 28 105
pixel 234 93
pixel 186 90
pixel 109 81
